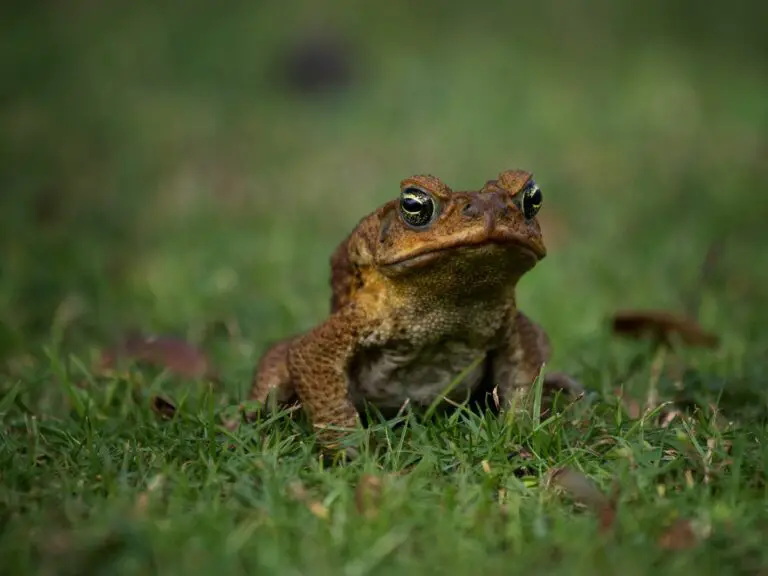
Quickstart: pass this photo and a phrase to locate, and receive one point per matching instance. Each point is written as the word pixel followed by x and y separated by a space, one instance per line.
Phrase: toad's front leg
pixel 318 362
pixel 519 361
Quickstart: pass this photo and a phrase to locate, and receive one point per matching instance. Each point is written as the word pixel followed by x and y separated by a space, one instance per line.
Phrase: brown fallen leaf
pixel 318 509
pixel 142 500
pixel 668 416
pixel 174 354
pixel 606 517
pixel 662 327
pixel 141 504
pixel 584 490
pixel 368 494
pixel 299 492
pixel 679 536
pixel 578 486
pixel 163 407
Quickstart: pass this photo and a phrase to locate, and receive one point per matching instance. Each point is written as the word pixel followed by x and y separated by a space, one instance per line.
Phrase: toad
pixel 423 308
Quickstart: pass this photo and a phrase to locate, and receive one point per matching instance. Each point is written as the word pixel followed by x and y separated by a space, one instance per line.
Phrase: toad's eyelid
pixel 413 192
pixel 529 188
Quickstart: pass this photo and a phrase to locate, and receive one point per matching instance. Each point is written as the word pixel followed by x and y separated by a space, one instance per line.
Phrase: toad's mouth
pixel 526 249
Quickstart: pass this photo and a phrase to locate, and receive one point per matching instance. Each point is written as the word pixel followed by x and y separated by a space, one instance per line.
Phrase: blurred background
pixel 188 169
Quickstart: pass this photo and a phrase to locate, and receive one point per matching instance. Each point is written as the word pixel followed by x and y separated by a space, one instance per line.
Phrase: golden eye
pixel 531 203
pixel 417 207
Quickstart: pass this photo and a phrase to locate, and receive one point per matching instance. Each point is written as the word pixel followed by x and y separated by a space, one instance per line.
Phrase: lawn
pixel 160 175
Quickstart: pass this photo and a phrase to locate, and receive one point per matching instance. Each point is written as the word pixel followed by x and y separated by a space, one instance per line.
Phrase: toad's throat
pixel 502 239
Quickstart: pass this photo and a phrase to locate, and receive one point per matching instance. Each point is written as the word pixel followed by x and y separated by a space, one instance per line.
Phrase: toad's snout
pixel 491 207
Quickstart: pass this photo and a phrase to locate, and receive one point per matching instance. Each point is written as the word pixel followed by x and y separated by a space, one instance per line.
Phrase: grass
pixel 160 180
pixel 112 486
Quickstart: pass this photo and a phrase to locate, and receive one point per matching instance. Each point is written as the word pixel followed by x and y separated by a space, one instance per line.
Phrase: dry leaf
pixel 662 326
pixel 231 424
pixel 578 486
pixel 174 354
pixel 679 536
pixel 495 396
pixel 299 492
pixel 142 500
pixel 318 509
pixel 368 494
pixel 585 491
pixel 668 416
pixel 606 517
pixel 163 407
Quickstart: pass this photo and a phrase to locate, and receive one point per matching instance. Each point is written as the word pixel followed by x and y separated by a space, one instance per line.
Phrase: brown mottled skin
pixel 423 289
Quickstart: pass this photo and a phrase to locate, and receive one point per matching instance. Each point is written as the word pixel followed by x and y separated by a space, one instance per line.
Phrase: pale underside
pixel 388 377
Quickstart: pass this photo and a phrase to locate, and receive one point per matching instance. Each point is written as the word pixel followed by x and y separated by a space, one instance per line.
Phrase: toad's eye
pixel 531 202
pixel 417 207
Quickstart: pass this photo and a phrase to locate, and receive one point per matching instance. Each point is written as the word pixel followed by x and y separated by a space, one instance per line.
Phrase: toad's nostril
pixel 470 209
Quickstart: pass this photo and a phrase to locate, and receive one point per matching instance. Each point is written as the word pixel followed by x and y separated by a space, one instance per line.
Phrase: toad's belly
pixel 388 377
